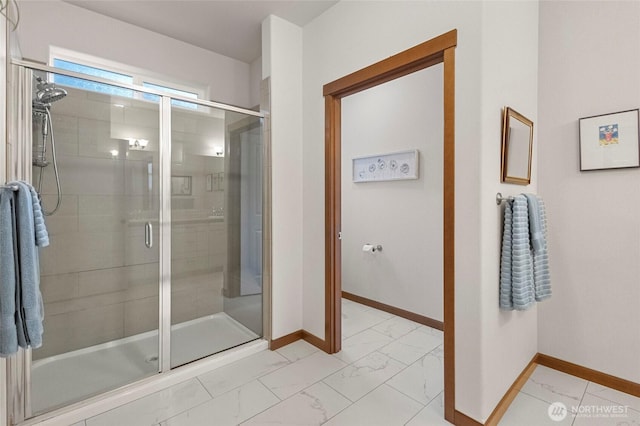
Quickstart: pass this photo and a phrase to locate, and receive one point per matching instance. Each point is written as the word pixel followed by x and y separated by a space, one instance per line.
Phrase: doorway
pixel 432 52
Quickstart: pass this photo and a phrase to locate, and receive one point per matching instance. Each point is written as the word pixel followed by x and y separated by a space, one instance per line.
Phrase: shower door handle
pixel 148 235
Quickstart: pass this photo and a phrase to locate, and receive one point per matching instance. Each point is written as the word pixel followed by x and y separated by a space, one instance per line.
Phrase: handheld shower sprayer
pixel 46 94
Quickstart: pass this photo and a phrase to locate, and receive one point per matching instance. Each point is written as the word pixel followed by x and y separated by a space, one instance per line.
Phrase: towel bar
pixel 12 187
pixel 500 198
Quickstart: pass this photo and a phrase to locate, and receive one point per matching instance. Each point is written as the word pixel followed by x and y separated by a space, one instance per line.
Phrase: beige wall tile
pixel 81 329
pixel 101 281
pixel 141 315
pixel 184 306
pixel 84 303
pixel 65 130
pixel 142 281
pixel 209 301
pixel 59 287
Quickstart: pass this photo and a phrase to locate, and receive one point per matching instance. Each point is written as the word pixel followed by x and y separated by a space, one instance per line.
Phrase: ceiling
pixel 231 28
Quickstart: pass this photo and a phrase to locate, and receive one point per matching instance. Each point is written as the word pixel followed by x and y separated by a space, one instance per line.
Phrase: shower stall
pixel 155 217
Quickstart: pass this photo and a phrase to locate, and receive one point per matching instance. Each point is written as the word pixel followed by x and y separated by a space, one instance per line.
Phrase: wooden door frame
pixel 440 49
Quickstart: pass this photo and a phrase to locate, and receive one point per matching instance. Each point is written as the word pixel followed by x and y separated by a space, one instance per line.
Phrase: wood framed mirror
pixel 517 147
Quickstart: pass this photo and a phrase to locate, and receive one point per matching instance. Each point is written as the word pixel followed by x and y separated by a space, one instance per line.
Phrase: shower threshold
pixel 63 379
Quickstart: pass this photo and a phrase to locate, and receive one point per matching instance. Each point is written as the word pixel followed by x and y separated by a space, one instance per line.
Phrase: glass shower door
pixel 100 275
pixel 216 231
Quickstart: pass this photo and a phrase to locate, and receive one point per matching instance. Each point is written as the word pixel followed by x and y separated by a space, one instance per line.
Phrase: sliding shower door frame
pixel 18 367
pixel 18 370
pixel 164 321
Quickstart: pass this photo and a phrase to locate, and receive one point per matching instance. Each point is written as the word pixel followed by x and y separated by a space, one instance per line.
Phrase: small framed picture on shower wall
pixel 210 182
pixel 610 141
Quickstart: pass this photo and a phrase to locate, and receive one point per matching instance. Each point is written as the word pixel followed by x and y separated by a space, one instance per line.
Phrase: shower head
pixel 47 92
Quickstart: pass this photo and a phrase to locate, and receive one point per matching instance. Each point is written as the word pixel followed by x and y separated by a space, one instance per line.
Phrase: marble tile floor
pixel 389 372
pixel 586 403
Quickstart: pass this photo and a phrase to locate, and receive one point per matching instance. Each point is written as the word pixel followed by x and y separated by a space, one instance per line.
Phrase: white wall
pixel 588 67
pixel 60 24
pixel 492 347
pixel 509 78
pixel 3 146
pixel 405 217
pixel 282 61
pixel 255 77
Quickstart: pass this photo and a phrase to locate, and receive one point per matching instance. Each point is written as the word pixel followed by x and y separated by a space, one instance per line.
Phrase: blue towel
pixel 538 238
pixel 8 279
pixel 522 290
pixel 30 312
pixel 42 236
pixel 541 274
pixel 524 265
pixel 505 262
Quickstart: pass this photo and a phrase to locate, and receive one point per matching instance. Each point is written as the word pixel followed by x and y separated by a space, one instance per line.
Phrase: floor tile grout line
pixel 535 397
pixel 412 362
pixel 211 398
pixel 401 371
pixel 614 402
pixel 611 400
pixel 295 394
pixel 359 399
pixel 280 401
pixel 409 396
pixel 340 411
pixel 366 355
pixel 138 399
pixel 243 383
pixel 387 344
pixel 320 380
pixel 340 393
pixel 542 383
pixel 580 404
pixel 372 390
pixel 301 340
pixel 270 390
pixel 205 388
pixel 420 411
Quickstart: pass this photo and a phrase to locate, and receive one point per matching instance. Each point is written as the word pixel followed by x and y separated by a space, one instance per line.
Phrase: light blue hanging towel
pixel 42 236
pixel 505 260
pixel 524 264
pixel 538 224
pixel 522 290
pixel 29 306
pixel 8 278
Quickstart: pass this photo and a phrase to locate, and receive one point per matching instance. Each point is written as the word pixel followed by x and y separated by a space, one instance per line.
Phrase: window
pixel 91 66
pixel 90 85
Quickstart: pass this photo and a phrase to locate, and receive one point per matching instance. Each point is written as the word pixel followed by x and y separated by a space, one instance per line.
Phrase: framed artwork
pixel 180 185
pixel 209 182
pixel 609 141
pixel 385 167
pixel 517 147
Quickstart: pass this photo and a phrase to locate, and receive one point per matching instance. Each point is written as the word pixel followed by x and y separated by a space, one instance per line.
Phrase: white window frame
pixel 139 75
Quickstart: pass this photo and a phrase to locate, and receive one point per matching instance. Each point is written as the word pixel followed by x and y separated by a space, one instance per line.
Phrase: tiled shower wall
pixel 99 281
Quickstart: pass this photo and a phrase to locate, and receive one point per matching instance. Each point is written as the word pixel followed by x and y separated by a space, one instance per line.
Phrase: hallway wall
pixel 282 62
pixel 589 66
